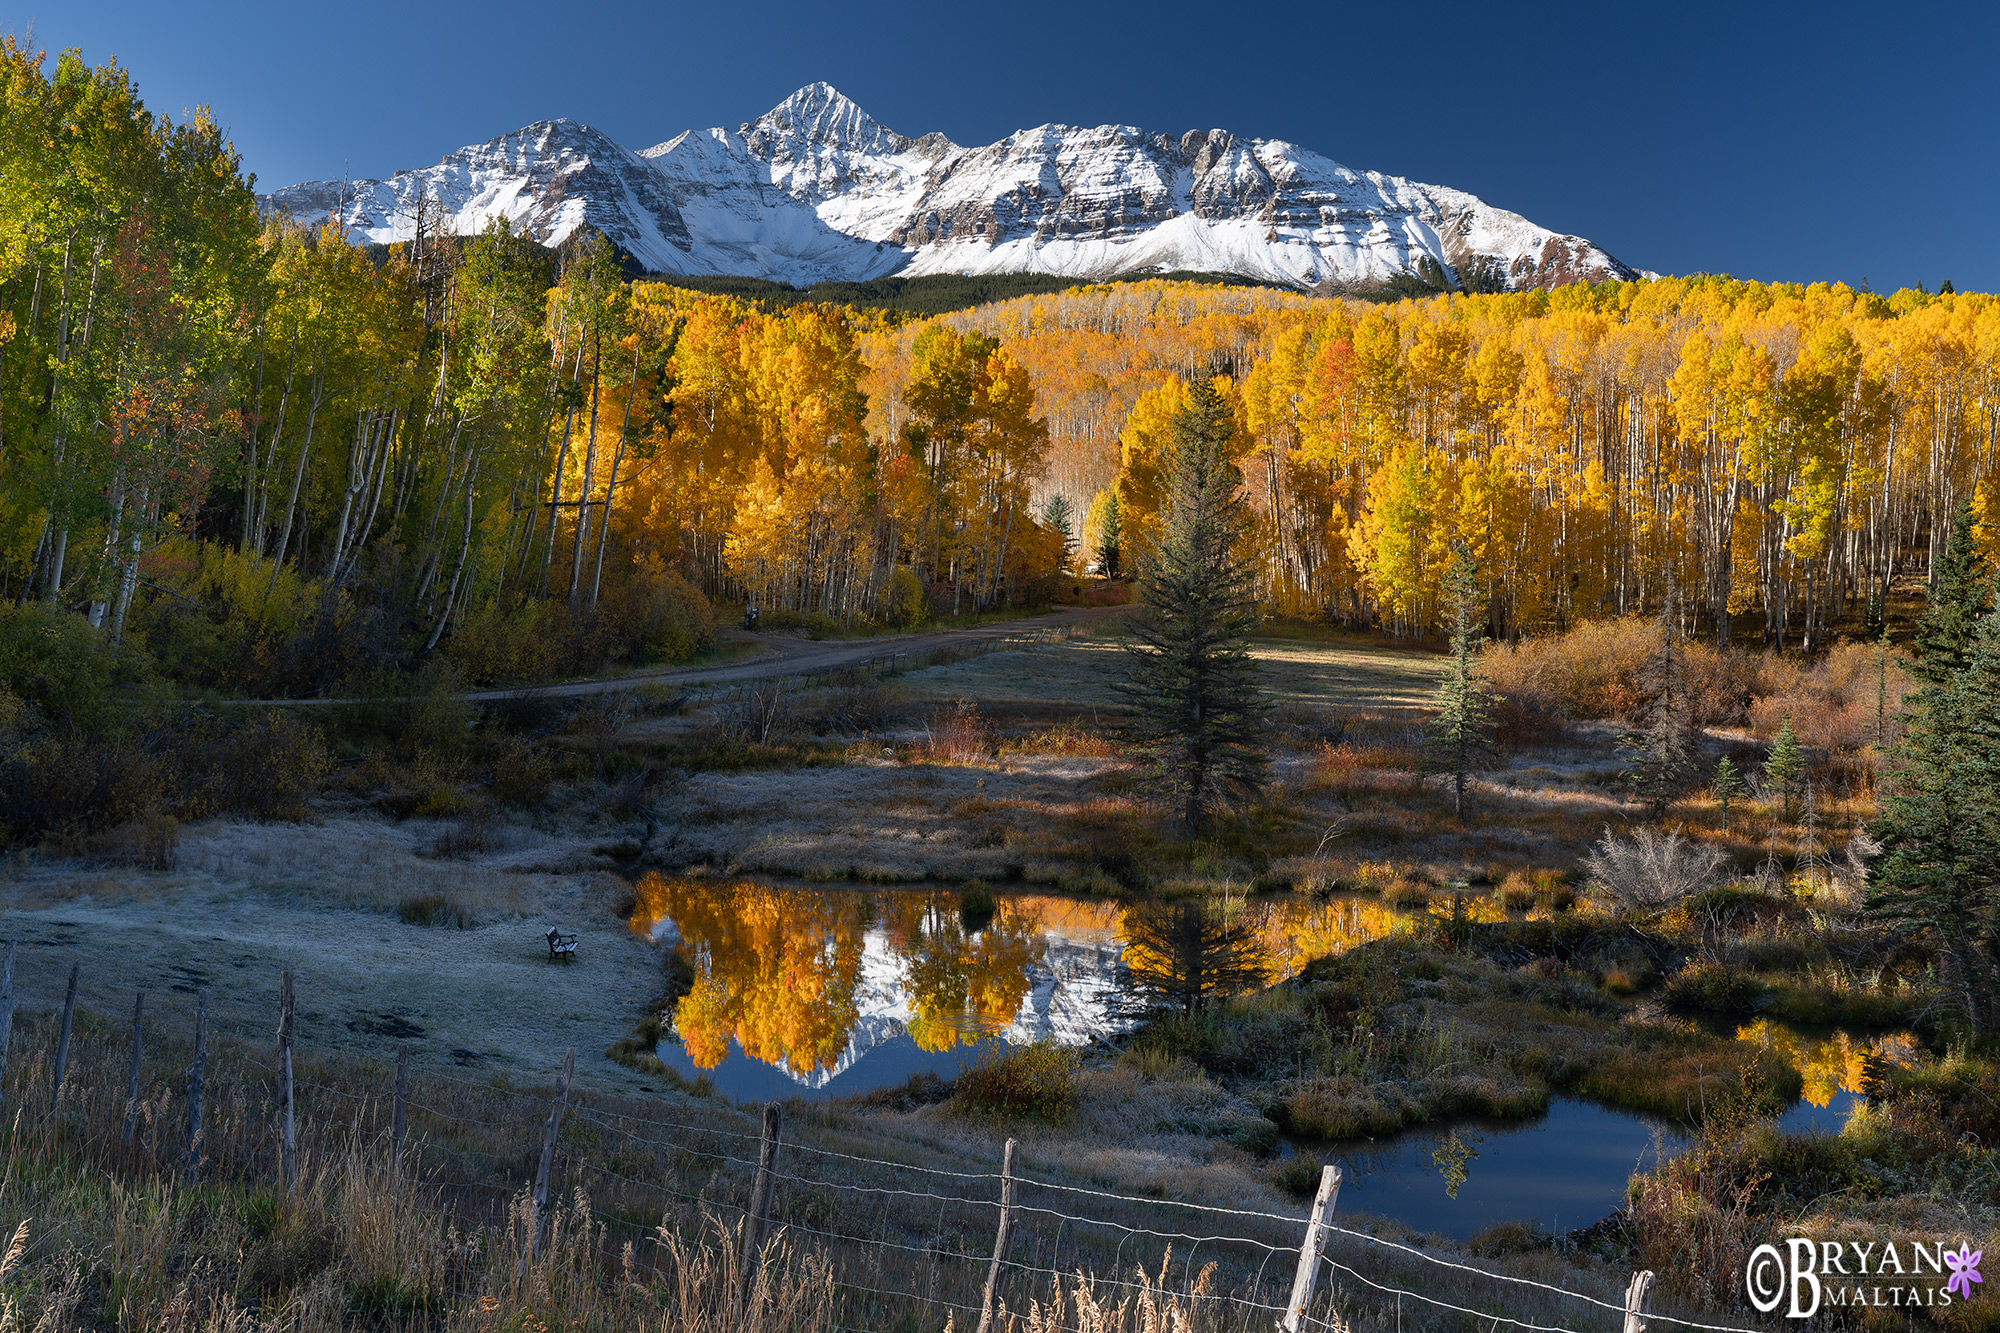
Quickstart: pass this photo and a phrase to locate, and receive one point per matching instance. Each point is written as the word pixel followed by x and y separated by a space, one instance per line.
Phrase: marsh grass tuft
pixel 1033 1082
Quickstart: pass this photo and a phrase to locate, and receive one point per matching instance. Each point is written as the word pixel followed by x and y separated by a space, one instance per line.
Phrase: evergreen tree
pixel 1785 766
pixel 1057 515
pixel 1661 744
pixel 1191 678
pixel 1461 734
pixel 1726 786
pixel 1940 824
pixel 1111 532
pixel 1957 594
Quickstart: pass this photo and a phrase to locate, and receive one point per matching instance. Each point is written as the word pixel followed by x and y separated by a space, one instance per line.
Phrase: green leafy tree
pixel 1959 591
pixel 1460 736
pixel 1785 767
pixel 1939 829
pixel 1661 743
pixel 1191 678
pixel 1726 786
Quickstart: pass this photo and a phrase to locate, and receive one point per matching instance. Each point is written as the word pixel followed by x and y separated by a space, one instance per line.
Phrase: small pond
pixel 816 992
pixel 1564 1170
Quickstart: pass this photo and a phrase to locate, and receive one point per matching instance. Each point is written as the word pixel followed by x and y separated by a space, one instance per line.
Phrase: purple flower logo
pixel 1964 1266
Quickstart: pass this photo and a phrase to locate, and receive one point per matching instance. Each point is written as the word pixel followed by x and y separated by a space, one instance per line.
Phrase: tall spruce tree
pixel 1460 736
pixel 1191 679
pixel 1110 535
pixel 1940 824
pixel 1061 520
pixel 1661 741
pixel 1959 591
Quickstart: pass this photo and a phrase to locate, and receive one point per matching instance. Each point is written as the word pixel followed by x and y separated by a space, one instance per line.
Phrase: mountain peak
pixel 820 115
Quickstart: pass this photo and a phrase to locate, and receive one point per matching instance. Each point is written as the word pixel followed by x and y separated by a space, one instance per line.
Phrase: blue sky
pixel 1773 141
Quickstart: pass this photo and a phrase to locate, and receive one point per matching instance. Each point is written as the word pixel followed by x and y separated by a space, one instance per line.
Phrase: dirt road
pixel 788 656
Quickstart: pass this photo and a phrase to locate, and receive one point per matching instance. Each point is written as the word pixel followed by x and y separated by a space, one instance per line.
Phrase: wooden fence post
pixel 402 1101
pixel 1306 1280
pixel 549 1152
pixel 760 1207
pixel 990 1300
pixel 6 1010
pixel 62 1042
pixel 196 1073
pixel 132 1083
pixel 288 1143
pixel 1635 1301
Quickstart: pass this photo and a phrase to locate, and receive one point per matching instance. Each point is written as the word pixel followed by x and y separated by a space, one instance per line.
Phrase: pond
pixel 802 991
pixel 1563 1170
pixel 1569 1168
pixel 815 992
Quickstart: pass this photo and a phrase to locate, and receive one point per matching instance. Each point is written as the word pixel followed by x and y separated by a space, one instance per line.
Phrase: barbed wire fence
pixel 908 1245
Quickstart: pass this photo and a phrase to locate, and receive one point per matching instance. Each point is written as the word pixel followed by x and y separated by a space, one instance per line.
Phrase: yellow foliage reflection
pixel 779 971
pixel 1831 1065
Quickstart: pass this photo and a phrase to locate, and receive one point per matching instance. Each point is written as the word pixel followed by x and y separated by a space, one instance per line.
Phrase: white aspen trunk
pixel 129 578
pixel 582 527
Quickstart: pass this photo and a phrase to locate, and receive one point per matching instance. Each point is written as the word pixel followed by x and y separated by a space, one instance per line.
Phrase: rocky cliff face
pixel 818 190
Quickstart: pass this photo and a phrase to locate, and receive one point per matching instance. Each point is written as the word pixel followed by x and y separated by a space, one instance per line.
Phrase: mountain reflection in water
pixel 837 991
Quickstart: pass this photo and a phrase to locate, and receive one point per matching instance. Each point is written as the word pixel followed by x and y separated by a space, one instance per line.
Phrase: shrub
pixel 1033 1082
pixel 903 602
pixel 1593 672
pixel 662 616
pixel 51 659
pixel 1707 983
pixel 272 764
pixel 434 907
pixel 975 905
pixel 1648 870
pixel 521 773
pixel 956 735
pixel 66 787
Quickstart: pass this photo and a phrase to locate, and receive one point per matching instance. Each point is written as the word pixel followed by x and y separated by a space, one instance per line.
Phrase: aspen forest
pixel 278 458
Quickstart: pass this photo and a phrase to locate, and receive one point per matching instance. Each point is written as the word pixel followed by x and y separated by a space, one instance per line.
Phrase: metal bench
pixel 561 946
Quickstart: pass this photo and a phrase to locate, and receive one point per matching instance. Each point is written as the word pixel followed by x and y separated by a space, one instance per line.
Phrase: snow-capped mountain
pixel 817 190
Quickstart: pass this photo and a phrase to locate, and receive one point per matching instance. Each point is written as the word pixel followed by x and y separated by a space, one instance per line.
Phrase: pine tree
pixel 1785 766
pixel 1661 745
pixel 1958 592
pixel 1191 678
pixel 1110 534
pixel 1057 515
pixel 1726 786
pixel 1461 734
pixel 1940 824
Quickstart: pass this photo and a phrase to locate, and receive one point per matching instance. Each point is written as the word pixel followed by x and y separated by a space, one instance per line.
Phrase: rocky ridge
pixel 817 190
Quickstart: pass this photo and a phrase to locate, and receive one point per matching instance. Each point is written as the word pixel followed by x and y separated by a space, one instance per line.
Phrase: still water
pixel 810 992
pixel 1562 1171
pixel 802 991
pixel 1569 1168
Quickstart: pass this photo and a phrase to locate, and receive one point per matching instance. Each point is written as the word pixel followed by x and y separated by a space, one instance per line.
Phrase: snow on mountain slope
pixel 816 189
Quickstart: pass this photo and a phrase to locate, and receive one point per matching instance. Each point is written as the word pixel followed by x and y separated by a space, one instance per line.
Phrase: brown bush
pixel 1833 703
pixel 521 773
pixel 956 735
pixel 1592 672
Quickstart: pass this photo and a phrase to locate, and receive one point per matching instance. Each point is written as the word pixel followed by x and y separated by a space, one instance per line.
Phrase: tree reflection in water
pixel 1831 1064
pixel 785 973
